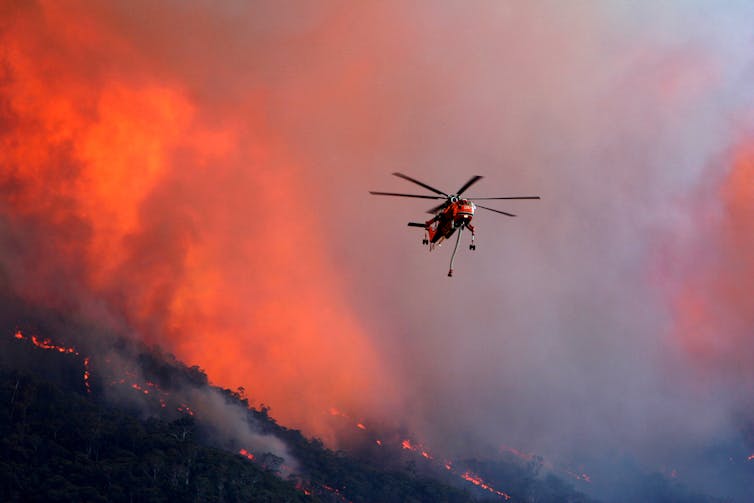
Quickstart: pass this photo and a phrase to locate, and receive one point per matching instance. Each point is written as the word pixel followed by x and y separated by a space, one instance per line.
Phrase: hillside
pixel 134 424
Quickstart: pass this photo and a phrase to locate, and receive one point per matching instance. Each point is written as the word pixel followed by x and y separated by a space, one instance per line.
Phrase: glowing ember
pixel 378 442
pixel 138 387
pixel 426 455
pixel 246 454
pixel 361 426
pixel 406 444
pixel 185 409
pixel 448 466
pixel 335 492
pixel 87 374
pixel 477 481
pixel 47 344
pixel 750 458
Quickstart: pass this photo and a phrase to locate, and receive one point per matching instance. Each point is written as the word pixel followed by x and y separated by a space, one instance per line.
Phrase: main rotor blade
pixel 468 184
pixel 404 195
pixel 496 211
pixel 437 208
pixel 514 197
pixel 421 184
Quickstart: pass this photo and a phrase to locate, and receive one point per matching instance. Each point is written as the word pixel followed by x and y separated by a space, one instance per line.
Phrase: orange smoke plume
pixel 714 306
pixel 130 198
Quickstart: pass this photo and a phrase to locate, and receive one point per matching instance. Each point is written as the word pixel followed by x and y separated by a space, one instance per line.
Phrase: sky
pixel 196 174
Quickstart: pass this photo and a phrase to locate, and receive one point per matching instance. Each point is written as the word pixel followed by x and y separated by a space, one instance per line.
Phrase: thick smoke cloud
pixel 199 174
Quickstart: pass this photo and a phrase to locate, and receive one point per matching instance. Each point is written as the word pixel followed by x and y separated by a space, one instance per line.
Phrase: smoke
pixel 135 194
pixel 197 175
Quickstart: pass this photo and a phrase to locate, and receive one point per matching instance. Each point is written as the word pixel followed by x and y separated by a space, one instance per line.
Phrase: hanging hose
pixel 453 257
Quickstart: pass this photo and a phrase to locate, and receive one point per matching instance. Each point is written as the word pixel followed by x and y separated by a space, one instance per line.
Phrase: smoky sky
pixel 240 141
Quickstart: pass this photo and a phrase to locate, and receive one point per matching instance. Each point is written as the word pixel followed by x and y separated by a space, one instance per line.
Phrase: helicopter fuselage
pixel 457 214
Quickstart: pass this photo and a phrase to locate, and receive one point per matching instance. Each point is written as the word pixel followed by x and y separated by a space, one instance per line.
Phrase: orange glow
pixel 157 203
pixel 361 426
pixel 246 454
pixel 521 455
pixel 750 458
pixel 335 412
pixel 406 444
pixel 713 305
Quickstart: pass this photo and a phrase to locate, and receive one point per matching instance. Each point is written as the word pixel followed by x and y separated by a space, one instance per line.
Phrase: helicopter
pixel 454 213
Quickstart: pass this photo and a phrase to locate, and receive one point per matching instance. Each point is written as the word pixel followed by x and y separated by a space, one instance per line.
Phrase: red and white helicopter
pixel 455 213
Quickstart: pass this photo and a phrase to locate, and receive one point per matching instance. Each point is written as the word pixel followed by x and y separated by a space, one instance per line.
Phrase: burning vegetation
pixel 158 389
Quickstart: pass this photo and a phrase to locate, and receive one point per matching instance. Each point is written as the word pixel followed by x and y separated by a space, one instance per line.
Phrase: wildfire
pixel 148 388
pixel 48 344
pixel 185 409
pixel 336 492
pixel 477 481
pixel 246 454
pixel 750 458
pixel 87 374
pixel 528 457
pixel 139 160
pixel 579 476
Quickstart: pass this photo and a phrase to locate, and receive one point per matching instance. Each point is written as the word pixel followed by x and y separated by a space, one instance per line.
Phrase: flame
pixel 750 458
pixel 150 200
pixel 48 344
pixel 246 454
pixel 87 375
pixel 334 491
pixel 477 481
